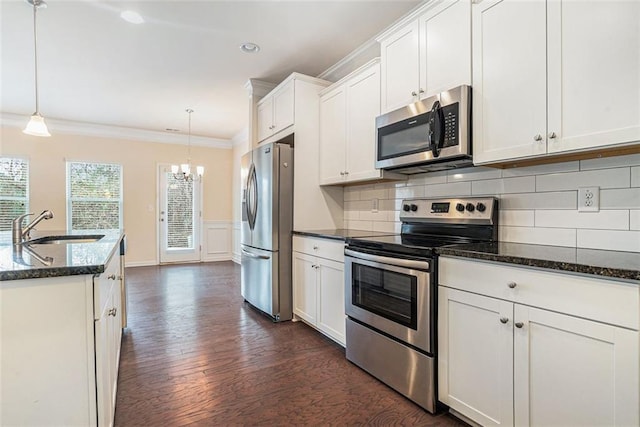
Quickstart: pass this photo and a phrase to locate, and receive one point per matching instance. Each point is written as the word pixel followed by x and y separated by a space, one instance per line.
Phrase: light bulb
pixel 174 169
pixel 200 170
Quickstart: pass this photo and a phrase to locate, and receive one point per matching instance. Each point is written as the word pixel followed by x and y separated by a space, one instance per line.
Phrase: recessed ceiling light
pixel 249 47
pixel 132 17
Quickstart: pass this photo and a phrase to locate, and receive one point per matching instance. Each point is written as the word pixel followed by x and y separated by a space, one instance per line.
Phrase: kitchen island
pixel 61 307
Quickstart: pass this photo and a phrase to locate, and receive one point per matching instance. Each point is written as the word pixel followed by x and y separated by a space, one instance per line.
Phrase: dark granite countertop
pixel 32 261
pixel 340 233
pixel 611 264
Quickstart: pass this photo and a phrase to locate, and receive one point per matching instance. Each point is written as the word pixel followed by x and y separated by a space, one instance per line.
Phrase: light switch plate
pixel 588 199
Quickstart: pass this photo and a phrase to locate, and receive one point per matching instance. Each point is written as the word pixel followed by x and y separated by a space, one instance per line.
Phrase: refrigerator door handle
pixel 250 197
pixel 254 189
pixel 250 255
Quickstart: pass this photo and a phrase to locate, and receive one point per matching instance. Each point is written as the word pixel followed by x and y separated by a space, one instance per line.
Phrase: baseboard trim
pixel 140 263
pixel 236 258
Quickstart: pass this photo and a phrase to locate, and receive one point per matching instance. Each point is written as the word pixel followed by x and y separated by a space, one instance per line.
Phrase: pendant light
pixel 36 125
pixel 184 170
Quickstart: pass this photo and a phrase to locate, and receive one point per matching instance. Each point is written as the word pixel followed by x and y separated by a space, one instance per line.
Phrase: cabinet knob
pixel 552 135
pixel 111 277
pixel 346 172
pixel 504 319
pixel 315 248
pixel 421 90
pixel 512 284
pixel 414 93
pixel 519 324
pixel 538 138
pixel 112 312
pixel 342 173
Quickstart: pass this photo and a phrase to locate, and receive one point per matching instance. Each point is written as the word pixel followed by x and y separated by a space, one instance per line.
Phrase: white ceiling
pixel 94 67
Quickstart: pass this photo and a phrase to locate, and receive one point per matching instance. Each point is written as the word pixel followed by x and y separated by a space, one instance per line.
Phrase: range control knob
pixel 460 207
pixel 471 207
pixel 481 207
pixel 406 208
pixel 414 207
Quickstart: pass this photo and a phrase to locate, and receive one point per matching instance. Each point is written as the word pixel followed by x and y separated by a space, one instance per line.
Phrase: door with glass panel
pixel 179 217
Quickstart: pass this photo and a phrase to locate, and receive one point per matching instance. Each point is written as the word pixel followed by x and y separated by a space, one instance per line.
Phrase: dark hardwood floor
pixel 195 354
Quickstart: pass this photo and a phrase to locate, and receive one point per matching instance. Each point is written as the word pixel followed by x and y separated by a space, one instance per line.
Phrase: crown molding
pixel 258 88
pixel 106 131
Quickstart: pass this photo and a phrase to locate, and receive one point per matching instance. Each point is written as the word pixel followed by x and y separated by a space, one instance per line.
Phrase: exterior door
pixel 180 218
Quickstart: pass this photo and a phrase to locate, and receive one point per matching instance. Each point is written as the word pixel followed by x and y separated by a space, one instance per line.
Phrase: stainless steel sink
pixel 70 238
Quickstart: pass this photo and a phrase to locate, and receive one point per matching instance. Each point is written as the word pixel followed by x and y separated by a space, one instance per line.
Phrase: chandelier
pixel 36 125
pixel 184 171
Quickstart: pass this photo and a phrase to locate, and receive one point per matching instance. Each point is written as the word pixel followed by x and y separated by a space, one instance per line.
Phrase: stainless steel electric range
pixel 390 291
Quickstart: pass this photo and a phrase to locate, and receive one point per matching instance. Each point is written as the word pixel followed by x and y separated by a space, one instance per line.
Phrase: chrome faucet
pixel 20 234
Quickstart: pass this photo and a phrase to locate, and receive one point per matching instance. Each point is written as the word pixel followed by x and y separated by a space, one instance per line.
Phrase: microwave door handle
pixel 435 127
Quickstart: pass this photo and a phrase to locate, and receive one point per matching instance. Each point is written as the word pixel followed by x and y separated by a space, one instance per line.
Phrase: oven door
pixel 392 295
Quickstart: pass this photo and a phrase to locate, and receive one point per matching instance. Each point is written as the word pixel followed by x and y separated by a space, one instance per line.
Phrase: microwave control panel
pixel 450 113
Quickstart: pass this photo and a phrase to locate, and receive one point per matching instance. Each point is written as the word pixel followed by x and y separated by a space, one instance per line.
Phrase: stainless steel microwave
pixel 431 134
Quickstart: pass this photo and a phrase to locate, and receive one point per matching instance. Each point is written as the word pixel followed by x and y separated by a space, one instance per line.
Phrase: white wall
pixel 538 204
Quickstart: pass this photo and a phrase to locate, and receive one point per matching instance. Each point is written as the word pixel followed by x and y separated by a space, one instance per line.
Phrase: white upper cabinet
pixel 348 111
pixel 400 70
pixel 445 48
pixel 428 54
pixel 276 111
pixel 554 76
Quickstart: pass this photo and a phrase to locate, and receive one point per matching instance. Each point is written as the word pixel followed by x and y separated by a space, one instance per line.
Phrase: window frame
pixel 70 199
pixel 27 198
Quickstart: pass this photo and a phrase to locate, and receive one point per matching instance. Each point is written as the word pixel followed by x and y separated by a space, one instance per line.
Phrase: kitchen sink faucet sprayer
pixel 20 234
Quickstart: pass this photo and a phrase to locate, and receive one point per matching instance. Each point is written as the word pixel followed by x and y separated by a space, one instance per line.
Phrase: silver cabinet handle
pixel 111 277
pixel 552 135
pixel 112 312
pixel 519 325
pixel 421 90
pixel 512 284
pixel 250 255
pixel 538 138
pixel 346 172
pixel 504 319
pixel 342 173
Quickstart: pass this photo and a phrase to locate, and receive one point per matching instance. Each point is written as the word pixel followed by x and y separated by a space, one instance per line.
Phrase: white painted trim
pixel 119 132
pixel 409 17
pixel 258 88
pixel 349 76
pixel 347 59
pixel 140 263
pixel 236 256
pixel 221 254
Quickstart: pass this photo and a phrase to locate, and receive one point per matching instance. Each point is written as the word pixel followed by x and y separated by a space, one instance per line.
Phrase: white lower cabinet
pixel 503 361
pixel 318 285
pixel 60 349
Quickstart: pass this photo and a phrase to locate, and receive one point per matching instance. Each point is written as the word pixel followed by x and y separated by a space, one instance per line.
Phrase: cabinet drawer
pixel 598 299
pixel 102 285
pixel 324 248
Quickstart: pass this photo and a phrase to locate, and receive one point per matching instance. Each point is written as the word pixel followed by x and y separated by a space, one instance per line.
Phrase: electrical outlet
pixel 374 205
pixel 588 199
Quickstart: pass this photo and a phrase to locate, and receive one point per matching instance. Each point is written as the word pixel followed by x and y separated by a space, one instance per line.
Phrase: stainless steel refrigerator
pixel 267 220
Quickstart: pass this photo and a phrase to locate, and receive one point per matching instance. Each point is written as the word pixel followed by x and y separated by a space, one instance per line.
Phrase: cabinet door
pixel 283 113
pixel 594 73
pixel 509 79
pixel 571 371
pixel 399 59
pixel 475 364
pixel 331 317
pixel 333 135
pixel 304 286
pixel 103 330
pixel 363 106
pixel 445 46
pixel 265 119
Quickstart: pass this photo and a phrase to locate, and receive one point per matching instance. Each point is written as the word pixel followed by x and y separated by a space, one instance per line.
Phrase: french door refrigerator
pixel 267 221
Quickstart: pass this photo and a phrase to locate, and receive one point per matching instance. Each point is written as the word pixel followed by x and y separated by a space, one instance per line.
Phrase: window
pixel 94 196
pixel 14 190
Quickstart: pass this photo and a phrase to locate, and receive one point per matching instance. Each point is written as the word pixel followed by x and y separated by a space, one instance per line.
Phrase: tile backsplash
pixel 538 204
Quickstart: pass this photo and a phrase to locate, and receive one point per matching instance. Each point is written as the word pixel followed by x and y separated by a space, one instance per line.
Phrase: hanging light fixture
pixel 36 125
pixel 184 170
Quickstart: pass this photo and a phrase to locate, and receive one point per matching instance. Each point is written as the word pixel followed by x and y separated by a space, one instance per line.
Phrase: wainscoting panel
pixel 236 242
pixel 216 241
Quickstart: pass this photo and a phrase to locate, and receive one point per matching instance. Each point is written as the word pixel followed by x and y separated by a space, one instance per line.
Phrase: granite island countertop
pixel 596 262
pixel 340 233
pixel 32 261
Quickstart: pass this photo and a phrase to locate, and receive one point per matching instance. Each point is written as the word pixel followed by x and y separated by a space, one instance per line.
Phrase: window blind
pixel 14 190
pixel 94 195
pixel 179 213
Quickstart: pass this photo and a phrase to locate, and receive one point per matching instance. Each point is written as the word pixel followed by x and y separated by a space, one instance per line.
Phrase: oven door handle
pixel 398 262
